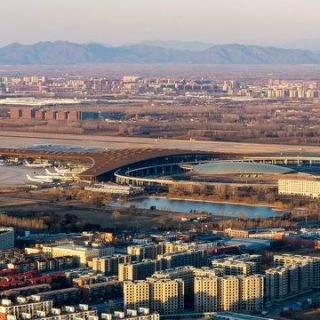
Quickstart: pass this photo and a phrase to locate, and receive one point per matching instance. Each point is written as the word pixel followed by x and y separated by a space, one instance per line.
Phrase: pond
pixel 221 209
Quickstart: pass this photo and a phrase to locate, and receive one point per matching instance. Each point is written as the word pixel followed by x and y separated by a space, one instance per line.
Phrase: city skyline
pixel 121 22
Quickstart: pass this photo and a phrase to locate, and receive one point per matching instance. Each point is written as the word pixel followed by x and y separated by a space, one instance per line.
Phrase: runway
pixel 26 139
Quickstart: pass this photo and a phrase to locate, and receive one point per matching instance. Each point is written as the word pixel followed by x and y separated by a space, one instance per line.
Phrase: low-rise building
pixel 306 188
pixel 80 254
pixel 23 306
pixel 59 297
pixel 140 314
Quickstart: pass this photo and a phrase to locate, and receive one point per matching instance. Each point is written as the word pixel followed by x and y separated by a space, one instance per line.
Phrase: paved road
pixel 21 139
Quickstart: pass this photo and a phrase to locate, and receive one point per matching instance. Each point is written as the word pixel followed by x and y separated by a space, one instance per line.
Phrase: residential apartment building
pixel 146 251
pixel 138 270
pixel 109 265
pixel 23 306
pixel 163 295
pixel 229 293
pixel 309 268
pixel 232 266
pixel 277 284
pixel 185 258
pixel 140 314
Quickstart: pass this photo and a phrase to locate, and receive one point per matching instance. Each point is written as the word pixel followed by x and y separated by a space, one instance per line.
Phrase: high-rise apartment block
pixel 186 258
pixel 109 265
pixel 232 266
pixel 138 270
pixel 163 295
pixel 229 293
pixel 310 267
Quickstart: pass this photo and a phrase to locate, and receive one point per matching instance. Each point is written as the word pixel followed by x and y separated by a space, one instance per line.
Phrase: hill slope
pixel 63 52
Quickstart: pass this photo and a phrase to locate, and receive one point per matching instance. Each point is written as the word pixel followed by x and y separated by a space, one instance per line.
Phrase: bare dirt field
pixel 40 204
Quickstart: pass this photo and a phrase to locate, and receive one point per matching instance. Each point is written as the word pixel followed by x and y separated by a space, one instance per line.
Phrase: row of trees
pixel 22 222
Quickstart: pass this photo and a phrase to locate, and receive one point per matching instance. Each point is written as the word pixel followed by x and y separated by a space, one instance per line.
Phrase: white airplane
pixel 54 174
pixel 40 179
pixel 37 165
pixel 61 171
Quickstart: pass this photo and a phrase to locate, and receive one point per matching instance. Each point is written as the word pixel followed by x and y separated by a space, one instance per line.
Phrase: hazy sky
pixel 261 22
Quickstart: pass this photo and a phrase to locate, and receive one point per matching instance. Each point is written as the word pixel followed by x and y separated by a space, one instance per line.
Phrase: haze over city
pixel 284 23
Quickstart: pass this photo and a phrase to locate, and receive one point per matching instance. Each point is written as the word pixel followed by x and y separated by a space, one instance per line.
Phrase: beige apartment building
pixel 277 284
pixel 136 294
pixel 146 251
pixel 163 295
pixel 306 188
pixel 187 274
pixel 109 265
pixel 138 270
pixel 229 293
pixel 309 275
pixel 251 293
pixel 235 267
pixel 206 294
pixel 167 296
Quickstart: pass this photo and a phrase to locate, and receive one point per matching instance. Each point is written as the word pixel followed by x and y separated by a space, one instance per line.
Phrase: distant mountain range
pixel 64 52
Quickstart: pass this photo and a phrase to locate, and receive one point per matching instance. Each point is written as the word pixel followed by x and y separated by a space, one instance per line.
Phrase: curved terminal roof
pixel 102 162
pixel 229 167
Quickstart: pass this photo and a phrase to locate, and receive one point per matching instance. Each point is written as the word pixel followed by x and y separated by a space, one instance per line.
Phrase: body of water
pixel 221 209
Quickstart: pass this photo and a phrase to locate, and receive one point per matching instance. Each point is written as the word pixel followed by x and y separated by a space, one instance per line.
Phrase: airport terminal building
pixel 6 238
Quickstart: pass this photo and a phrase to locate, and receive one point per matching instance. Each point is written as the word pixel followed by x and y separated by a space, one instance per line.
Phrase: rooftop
pixel 234 167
